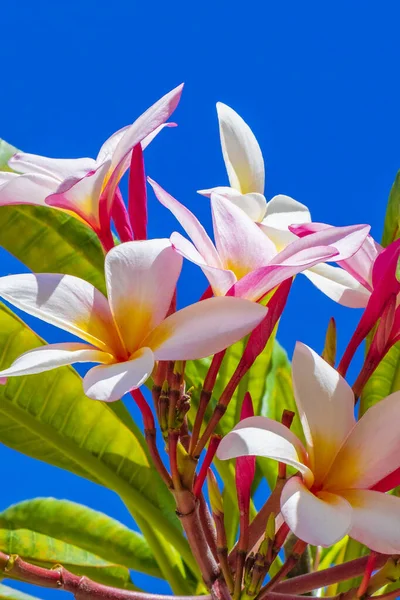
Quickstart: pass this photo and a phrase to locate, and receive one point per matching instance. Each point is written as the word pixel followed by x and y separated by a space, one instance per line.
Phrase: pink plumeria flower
pixel 127 331
pixel 84 187
pixel 244 262
pixel 245 167
pixel 342 465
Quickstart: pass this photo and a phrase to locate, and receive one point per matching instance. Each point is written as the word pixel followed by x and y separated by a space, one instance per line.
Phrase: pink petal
pixel 65 301
pixel 253 204
pixel 120 217
pixel 221 280
pixel 26 189
pixel 375 520
pixel 245 467
pixel 56 168
pixel 137 199
pixel 371 451
pixel 240 243
pixel 260 436
pixel 339 285
pixel 111 382
pixel 326 407
pixel 52 356
pixel 190 224
pixel 83 197
pixel 141 278
pixel 204 328
pixel 320 520
pixel 242 155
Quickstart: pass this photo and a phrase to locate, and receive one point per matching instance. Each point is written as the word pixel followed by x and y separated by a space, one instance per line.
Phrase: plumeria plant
pixel 249 476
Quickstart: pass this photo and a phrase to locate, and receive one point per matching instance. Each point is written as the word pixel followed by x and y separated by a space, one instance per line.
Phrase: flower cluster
pixel 339 476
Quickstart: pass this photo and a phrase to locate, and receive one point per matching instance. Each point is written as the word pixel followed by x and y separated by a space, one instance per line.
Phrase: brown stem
pixel 208 526
pixel 288 565
pixel 173 439
pixel 312 581
pixel 150 436
pixel 82 587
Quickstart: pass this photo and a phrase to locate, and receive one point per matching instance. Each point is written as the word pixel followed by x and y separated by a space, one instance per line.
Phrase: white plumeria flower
pixel 343 469
pixel 85 187
pixel 245 167
pixel 128 331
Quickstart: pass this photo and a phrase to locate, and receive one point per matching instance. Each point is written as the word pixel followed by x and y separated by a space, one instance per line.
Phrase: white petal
pixel 283 211
pixel 111 382
pixel 204 328
pixel 319 520
pixel 242 155
pixel 26 189
pixel 141 278
pixel 260 436
pixel 326 407
pixel 65 301
pixel 372 450
pixel 375 520
pixel 52 356
pixel 56 168
pixel 338 285
pixel 253 203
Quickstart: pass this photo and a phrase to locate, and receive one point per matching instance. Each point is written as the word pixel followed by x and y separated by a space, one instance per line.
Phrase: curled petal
pixel 320 520
pixel 253 203
pixel 375 520
pixel 326 407
pixel 260 436
pixel 242 155
pixel 338 285
pixel 52 356
pixel 56 168
pixel 111 382
pixel 283 211
pixel 141 278
pixel 204 328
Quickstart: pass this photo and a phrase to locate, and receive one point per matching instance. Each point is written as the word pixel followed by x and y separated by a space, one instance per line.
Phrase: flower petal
pixel 326 407
pixel 242 155
pixel 56 168
pixel 260 436
pixel 221 280
pixel 339 285
pixel 190 224
pixel 141 278
pixel 253 203
pixel 204 328
pixel 319 520
pixel 375 520
pixel 65 301
pixel 111 382
pixel 241 244
pixel 52 356
pixel 371 451
pixel 26 189
pixel 83 196
pixel 283 211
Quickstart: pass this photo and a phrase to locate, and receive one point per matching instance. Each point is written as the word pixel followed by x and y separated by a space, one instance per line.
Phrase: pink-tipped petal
pixel 137 198
pixel 110 382
pixel 141 278
pixel 338 285
pixel 242 155
pixel 52 356
pixel 204 328
pixel 326 407
pixel 221 280
pixel 372 450
pixel 241 245
pixel 120 217
pixel 83 197
pixel 260 436
pixel 56 168
pixel 190 224
pixel 375 520
pixel 26 189
pixel 253 204
pixel 320 520
pixel 65 301
pixel 245 467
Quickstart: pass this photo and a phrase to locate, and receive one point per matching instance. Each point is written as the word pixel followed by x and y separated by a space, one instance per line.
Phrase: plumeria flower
pixel 344 467
pixel 84 187
pixel 244 262
pixel 245 167
pixel 127 331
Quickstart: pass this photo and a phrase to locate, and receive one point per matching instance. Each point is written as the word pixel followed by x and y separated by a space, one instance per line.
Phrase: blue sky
pixel 316 81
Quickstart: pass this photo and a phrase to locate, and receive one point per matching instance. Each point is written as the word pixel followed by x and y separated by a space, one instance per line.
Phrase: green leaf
pixel 391 228
pixel 7 593
pixel 384 380
pixel 83 528
pixel 48 417
pixel 6 152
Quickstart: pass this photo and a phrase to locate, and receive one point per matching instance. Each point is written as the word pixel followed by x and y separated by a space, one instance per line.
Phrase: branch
pixel 83 588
